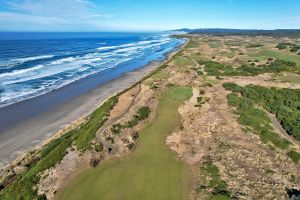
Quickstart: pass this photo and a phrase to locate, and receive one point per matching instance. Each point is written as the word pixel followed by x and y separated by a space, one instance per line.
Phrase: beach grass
pixel 152 171
pixel 88 131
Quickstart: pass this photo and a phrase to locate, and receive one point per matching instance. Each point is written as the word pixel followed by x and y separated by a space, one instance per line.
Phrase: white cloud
pixel 52 14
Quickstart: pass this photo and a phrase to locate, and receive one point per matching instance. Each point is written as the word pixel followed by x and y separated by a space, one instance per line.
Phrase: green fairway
pixel 152 171
pixel 266 53
pixel 215 44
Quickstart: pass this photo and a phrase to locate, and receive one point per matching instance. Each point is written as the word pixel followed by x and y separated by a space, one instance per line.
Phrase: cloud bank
pixel 48 15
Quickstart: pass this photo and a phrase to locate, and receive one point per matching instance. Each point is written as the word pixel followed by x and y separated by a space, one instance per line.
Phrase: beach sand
pixel 28 124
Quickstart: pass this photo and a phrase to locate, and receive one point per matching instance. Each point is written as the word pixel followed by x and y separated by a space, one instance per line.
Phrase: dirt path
pixel 261 81
pixel 280 130
pixel 125 102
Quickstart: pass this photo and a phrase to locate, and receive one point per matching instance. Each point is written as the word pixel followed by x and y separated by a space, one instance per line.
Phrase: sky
pixel 146 15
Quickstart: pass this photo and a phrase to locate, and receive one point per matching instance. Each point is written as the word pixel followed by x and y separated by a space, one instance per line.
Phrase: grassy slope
pixel 152 171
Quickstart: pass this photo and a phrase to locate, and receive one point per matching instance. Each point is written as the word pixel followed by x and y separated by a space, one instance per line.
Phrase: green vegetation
pixel 215 44
pixel 150 172
pixel 229 54
pixel 295 156
pixel 182 60
pixel 235 43
pixel 156 77
pixel 200 99
pixel 182 63
pixel 99 147
pixel 218 69
pixel 282 45
pixel 88 131
pixel 284 103
pixel 142 114
pixel 160 75
pixel 116 129
pixel 254 45
pixel 264 54
pixel 253 118
pixel 289 77
pixel 214 186
pixel 22 187
pixel 292 47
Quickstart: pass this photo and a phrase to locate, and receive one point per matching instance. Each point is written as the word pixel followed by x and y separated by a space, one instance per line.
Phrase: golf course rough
pixel 152 171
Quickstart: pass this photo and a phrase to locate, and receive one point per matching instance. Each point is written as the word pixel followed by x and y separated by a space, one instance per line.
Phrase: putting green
pixel 152 171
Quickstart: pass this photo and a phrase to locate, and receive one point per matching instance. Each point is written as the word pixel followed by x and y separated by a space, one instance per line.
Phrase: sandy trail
pixel 280 130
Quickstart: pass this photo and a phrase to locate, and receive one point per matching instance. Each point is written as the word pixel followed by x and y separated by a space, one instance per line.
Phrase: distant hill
pixel 184 30
pixel 250 32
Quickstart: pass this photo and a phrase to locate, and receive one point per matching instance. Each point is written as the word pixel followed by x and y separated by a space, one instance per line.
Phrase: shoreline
pixel 39 130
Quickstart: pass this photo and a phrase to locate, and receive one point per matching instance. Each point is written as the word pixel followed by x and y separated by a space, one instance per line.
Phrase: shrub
pixel 99 147
pixel 143 113
pixel 216 187
pixel 295 156
pixel 199 72
pixel 199 99
pixel 232 86
pixel 256 119
pixel 218 69
pixel 116 128
pixel 135 135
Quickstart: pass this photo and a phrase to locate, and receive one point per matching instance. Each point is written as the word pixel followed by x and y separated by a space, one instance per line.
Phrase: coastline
pixel 37 131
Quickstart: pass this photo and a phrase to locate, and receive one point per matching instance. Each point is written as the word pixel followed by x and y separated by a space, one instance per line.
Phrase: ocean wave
pixel 137 44
pixel 60 61
pixel 14 94
pixel 64 69
pixel 48 70
pixel 33 58
pixel 21 71
pixel 12 62
pixel 107 48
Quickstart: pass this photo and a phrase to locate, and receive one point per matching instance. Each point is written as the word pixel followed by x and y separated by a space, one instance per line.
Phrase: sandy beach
pixel 27 124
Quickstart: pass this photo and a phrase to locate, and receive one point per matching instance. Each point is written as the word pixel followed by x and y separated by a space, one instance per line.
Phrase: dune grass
pixel 289 77
pixel 152 171
pixel 214 186
pixel 88 131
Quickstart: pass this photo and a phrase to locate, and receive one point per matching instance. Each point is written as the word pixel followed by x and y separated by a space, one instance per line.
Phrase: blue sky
pixel 146 15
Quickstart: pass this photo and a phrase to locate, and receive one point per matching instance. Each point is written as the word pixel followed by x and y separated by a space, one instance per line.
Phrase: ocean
pixel 32 64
